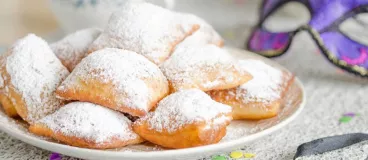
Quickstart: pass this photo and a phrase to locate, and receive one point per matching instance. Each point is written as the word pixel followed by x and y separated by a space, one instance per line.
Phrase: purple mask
pixel 326 16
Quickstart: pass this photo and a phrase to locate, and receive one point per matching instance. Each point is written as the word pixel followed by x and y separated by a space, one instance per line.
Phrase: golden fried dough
pixel 187 118
pixel 8 106
pixel 118 79
pixel 259 98
pixel 87 125
pixel 30 73
pixel 206 67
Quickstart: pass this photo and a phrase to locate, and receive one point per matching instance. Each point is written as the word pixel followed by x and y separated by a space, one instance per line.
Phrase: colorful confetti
pixel 55 156
pixel 350 114
pixel 218 158
pixel 347 117
pixel 236 154
pixel 249 155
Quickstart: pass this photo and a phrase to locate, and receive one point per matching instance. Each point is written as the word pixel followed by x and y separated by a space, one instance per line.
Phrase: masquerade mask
pixel 326 17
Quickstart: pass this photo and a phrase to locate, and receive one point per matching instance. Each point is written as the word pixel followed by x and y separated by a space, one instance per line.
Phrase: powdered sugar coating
pixel 265 85
pixel 146 29
pixel 185 107
pixel 204 35
pixel 90 121
pixel 197 38
pixel 125 70
pixel 72 48
pixel 35 72
pixel 193 62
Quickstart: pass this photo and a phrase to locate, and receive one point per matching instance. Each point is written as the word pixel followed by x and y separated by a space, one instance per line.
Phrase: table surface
pixel 330 92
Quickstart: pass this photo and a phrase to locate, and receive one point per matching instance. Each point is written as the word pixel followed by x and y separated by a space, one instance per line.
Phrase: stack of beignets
pixel 150 65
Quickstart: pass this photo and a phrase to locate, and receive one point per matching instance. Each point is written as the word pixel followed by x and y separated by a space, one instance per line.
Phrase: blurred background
pixel 53 18
pixel 233 19
pixel 19 17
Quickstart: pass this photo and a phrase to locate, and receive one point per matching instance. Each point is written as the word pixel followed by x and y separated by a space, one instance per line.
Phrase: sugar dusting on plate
pixel 185 107
pixel 35 72
pixel 90 121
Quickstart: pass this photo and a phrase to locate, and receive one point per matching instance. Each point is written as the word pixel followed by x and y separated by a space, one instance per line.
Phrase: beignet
pixel 187 118
pixel 204 35
pixel 149 30
pixel 259 98
pixel 30 74
pixel 118 79
pixel 206 67
pixel 87 125
pixel 74 47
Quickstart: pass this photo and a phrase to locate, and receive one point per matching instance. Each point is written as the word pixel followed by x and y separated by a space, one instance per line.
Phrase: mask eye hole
pixel 294 14
pixel 356 28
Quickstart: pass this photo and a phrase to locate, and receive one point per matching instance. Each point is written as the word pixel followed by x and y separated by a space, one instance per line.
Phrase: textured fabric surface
pixel 330 94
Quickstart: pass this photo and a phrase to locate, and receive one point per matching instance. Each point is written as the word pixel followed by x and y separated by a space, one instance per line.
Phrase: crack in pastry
pixel 30 74
pixel 74 47
pixel 205 67
pixel 118 79
pixel 87 125
pixel 259 98
pixel 187 118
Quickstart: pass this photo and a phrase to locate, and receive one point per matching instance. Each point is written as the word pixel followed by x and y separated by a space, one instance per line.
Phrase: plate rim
pixel 92 153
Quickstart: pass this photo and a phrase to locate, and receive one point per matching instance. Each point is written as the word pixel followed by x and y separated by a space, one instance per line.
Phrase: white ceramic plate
pixel 239 133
